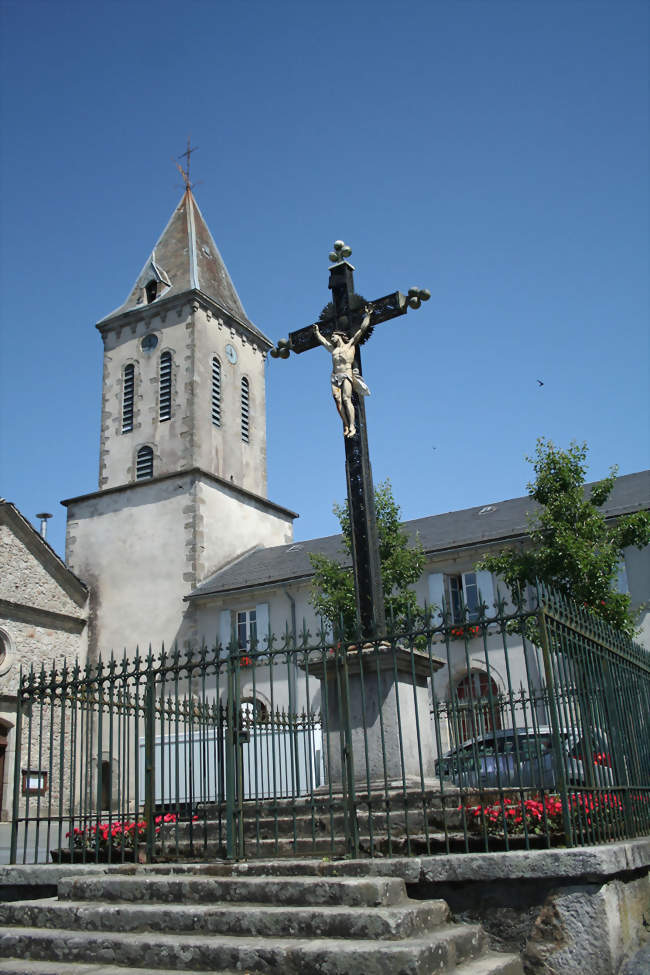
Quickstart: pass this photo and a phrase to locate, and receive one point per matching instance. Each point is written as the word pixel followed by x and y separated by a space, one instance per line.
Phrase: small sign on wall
pixel 34 782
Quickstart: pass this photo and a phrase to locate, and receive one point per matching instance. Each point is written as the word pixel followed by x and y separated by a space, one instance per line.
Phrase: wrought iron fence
pixel 525 726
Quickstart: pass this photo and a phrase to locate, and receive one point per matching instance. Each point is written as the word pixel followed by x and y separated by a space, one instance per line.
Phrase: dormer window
pixel 151 291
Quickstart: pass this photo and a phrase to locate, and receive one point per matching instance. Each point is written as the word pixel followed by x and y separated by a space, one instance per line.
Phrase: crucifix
pixel 345 324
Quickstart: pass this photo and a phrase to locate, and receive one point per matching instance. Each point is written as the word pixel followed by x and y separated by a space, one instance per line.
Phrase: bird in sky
pixel 539 382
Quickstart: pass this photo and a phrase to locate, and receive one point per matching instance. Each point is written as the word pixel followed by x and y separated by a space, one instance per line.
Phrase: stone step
pixel 300 891
pixel 408 868
pixel 440 950
pixel 490 963
pixel 306 823
pixel 323 803
pixel 320 846
pixel 409 920
pixel 17 966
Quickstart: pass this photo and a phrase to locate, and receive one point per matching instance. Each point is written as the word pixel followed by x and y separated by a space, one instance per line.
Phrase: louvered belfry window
pixel 144 463
pixel 245 410
pixel 165 386
pixel 216 392
pixel 128 390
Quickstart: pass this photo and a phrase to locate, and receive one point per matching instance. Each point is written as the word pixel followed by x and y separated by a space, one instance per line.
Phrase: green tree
pixel 402 563
pixel 572 548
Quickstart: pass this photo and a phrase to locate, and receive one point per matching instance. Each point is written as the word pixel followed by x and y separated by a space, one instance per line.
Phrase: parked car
pixel 523 758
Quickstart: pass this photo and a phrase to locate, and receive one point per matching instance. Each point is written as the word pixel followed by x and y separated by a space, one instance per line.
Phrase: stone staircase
pixel 243 918
pixel 395 824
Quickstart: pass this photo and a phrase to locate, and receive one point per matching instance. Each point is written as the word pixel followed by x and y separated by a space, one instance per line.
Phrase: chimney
pixel 44 515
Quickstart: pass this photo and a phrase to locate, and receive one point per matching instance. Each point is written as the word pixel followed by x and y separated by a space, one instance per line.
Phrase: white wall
pixel 142 548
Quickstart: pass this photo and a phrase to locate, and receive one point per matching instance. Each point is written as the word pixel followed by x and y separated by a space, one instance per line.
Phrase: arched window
pixel 165 410
pixel 128 390
pixel 254 710
pixel 478 705
pixel 144 463
pixel 216 392
pixel 245 410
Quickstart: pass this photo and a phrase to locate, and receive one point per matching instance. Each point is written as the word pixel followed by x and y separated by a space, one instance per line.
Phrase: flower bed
pixel 538 816
pixel 109 841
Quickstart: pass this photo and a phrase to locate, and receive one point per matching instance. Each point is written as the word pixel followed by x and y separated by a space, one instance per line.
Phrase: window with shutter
pixel 144 463
pixel 128 392
pixel 245 411
pixel 216 392
pixel 165 411
pixel 246 628
pixel 464 592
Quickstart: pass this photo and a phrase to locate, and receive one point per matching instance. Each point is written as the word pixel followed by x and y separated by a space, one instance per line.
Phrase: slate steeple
pixel 186 258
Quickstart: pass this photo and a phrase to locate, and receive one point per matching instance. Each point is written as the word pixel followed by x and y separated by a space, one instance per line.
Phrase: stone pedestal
pixel 369 696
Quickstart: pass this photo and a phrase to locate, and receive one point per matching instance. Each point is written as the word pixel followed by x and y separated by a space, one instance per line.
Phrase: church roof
pixel 186 258
pixel 468 528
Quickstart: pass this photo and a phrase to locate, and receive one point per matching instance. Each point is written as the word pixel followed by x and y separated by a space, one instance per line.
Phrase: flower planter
pixel 90 856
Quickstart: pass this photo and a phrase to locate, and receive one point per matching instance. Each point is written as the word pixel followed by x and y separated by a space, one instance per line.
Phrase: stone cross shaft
pixel 347 314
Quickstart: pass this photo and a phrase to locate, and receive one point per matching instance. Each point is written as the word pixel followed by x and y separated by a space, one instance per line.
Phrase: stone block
pixel 383 693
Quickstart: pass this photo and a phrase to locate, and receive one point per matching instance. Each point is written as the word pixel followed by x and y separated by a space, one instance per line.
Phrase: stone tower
pixel 182 469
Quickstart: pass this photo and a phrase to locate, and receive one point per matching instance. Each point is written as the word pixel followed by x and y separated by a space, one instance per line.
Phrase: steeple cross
pixel 345 324
pixel 185 173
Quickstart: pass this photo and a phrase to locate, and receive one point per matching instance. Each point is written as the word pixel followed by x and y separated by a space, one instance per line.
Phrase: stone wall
pixel 566 911
pixel 43 611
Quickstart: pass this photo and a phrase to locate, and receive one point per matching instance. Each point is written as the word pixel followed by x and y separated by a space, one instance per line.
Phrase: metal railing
pixel 521 727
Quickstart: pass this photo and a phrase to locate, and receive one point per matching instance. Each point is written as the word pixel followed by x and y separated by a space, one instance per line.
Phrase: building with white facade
pixel 270 587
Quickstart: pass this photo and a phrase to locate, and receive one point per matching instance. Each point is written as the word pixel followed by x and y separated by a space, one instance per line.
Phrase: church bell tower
pixel 182 466
pixel 184 381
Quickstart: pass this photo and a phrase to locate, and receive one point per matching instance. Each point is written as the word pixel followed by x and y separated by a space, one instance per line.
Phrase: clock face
pixel 149 342
pixel 231 353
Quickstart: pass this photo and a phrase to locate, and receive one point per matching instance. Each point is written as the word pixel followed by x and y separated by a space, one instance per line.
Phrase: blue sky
pixel 493 152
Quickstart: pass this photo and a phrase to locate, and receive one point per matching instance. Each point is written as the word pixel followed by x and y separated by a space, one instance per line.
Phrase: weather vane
pixel 185 173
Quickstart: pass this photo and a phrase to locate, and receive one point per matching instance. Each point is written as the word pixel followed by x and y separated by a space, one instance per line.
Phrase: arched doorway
pixel 477 704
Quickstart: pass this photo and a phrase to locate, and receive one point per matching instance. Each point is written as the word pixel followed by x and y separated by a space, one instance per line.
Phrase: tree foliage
pixel 573 550
pixel 402 564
